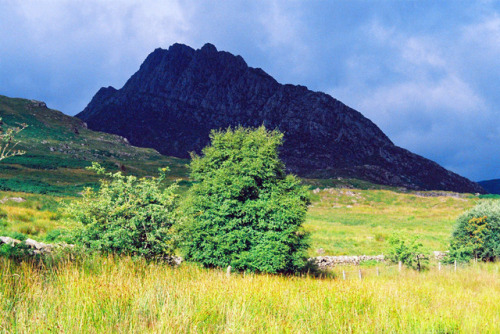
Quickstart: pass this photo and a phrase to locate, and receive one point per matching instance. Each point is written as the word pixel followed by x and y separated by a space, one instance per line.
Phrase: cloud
pixel 425 99
pixel 64 51
pixel 283 29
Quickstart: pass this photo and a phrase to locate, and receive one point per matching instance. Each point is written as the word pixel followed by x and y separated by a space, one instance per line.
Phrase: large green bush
pixel 477 233
pixel 244 210
pixel 127 215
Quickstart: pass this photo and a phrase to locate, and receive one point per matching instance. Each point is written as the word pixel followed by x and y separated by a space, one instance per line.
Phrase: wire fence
pixel 347 272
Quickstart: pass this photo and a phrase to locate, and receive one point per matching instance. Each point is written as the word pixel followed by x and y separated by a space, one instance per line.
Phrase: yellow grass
pixel 105 294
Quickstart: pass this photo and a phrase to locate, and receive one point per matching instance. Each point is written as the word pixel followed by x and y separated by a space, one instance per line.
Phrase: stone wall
pixel 331 261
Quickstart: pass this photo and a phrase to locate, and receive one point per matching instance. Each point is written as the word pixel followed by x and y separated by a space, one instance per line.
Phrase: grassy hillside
pixel 350 221
pixel 341 221
pixel 59 147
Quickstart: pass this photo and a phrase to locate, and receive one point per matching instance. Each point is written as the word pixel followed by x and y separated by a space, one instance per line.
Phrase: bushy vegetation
pixel 245 211
pixel 477 233
pixel 127 215
pixel 407 250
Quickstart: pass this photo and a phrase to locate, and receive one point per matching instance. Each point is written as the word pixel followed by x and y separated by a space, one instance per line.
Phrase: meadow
pixel 359 222
pixel 96 293
pixel 115 295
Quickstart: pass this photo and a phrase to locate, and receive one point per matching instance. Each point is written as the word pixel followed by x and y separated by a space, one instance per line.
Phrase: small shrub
pixel 380 237
pixel 477 233
pixel 127 215
pixel 15 235
pixel 408 251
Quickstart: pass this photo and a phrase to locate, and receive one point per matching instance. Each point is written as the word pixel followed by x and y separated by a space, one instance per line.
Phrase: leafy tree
pixel 408 251
pixel 8 142
pixel 477 233
pixel 244 210
pixel 127 215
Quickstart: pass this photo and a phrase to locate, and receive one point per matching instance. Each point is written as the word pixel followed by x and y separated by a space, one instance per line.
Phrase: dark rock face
pixel 180 94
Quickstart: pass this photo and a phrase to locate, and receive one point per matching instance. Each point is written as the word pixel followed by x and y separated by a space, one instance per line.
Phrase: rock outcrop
pixel 179 95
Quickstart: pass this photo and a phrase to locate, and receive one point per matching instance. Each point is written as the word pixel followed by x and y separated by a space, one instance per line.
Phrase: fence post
pixel 228 271
pixel 378 273
pixel 455 265
pixel 343 274
pixel 360 276
pixel 439 266
pixel 400 265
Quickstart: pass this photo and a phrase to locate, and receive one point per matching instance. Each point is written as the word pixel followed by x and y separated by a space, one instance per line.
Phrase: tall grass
pixel 107 294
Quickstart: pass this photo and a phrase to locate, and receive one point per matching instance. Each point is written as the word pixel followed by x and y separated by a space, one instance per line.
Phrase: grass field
pixel 116 295
pixel 96 294
pixel 341 221
pixel 357 222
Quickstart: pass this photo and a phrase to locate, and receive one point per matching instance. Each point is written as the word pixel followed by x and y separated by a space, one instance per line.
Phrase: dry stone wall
pixel 331 261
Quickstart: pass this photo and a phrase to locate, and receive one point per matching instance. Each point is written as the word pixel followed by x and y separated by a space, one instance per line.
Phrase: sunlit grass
pixel 110 294
pixel 355 222
pixel 105 294
pixel 34 217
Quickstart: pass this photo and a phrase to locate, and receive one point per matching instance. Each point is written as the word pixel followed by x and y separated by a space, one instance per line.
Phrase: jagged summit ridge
pixel 179 94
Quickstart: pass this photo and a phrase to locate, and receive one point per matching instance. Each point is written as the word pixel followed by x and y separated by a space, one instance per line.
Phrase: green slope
pixel 59 147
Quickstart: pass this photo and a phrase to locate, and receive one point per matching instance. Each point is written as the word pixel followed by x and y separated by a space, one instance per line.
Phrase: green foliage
pixel 60 235
pixel 245 212
pixel 17 253
pixel 477 233
pixel 15 235
pixel 127 215
pixel 489 196
pixel 408 251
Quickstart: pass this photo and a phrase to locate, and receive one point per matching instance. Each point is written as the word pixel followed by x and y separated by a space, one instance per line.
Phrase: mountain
pixel 492 186
pixel 178 95
pixel 59 147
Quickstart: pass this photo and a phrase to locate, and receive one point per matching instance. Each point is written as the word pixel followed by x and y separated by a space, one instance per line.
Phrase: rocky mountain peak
pixel 180 94
pixel 208 48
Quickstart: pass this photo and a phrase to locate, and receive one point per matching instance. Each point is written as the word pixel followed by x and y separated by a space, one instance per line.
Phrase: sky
pixel 426 72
